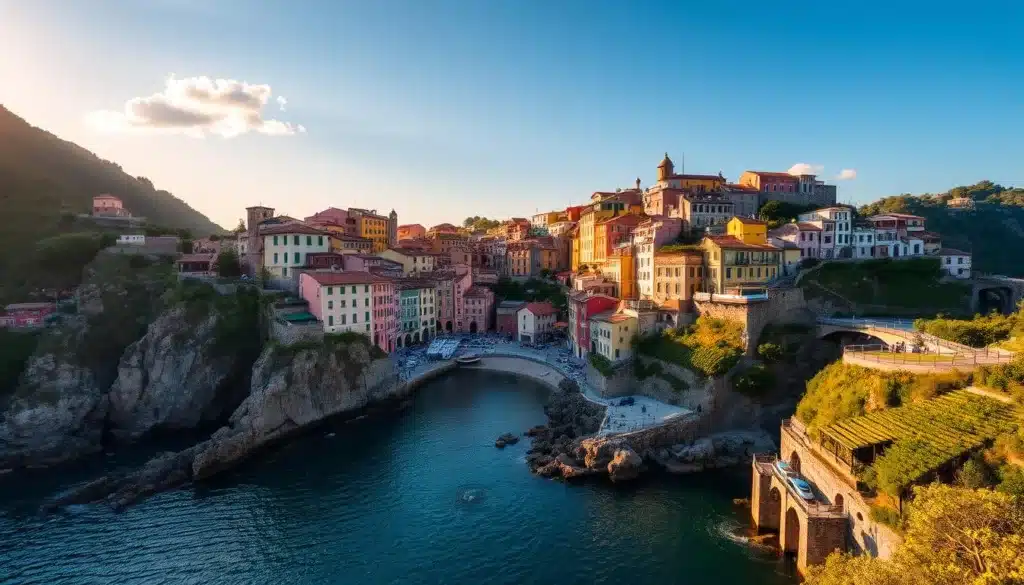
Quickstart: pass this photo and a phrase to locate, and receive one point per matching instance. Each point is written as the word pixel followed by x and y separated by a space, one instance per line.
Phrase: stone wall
pixel 784 306
pixel 679 430
pixel 865 535
pixel 289 334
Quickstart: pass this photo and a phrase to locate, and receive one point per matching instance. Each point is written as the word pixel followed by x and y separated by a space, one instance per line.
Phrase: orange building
pixel 411 231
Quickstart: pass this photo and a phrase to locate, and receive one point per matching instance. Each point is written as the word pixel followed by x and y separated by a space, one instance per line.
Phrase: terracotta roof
pixel 671 305
pixel 806 227
pixel 952 252
pixel 106 196
pixel 611 317
pixel 291 228
pixel 735 243
pixel 744 188
pixel 750 220
pixel 540 309
pixel 774 175
pixel 476 291
pixel 350 238
pixel 335 278
pixel 704 177
pixel 411 252
pixel 413 283
pixel 206 257
pixel 29 306
pixel 410 225
pixel 628 219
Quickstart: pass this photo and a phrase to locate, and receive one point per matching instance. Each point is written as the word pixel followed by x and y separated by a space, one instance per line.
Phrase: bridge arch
pixel 993 298
pixel 791 539
pixel 794 461
pixel 839 501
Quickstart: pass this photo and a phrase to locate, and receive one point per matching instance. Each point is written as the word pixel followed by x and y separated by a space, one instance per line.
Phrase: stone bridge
pixel 996 292
pixel 808 530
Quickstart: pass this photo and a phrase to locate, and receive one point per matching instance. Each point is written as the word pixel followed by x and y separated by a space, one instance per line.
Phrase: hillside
pixel 45 181
pixel 989 231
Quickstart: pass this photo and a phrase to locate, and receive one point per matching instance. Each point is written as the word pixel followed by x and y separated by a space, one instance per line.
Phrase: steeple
pixel 665 169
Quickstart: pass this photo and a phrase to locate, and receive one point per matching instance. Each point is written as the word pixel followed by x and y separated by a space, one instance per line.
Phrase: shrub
pixel 975 474
pixel 755 381
pixel 887 516
pixel 568 386
pixel 770 351
pixel 601 364
pixel 710 347
pixel 980 331
pixel 1012 481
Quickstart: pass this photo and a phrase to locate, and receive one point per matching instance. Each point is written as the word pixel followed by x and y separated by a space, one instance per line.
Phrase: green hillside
pixel 992 231
pixel 45 181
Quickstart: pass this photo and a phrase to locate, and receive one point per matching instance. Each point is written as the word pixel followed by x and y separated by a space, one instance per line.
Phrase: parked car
pixel 784 468
pixel 802 487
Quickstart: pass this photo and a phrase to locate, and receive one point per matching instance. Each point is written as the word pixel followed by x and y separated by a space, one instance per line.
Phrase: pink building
pixel 582 306
pixel 357 302
pixel 452 284
pixel 479 304
pixel 26 314
pixel 806 237
pixel 108 206
pixel 658 230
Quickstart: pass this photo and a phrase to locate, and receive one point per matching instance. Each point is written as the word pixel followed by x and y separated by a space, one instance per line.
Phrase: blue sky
pixel 448 108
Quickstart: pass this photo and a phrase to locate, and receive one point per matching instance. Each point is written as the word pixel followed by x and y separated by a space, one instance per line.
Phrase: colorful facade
pixel 479 302
pixel 17 315
pixel 505 318
pixel 583 306
pixel 414 262
pixel 417 311
pixel 108 206
pixel 536 322
pixel 805 236
pixel 357 302
pixel 734 266
pixel 747 230
pixel 677 276
pixel 411 231
pixel 611 335
pixel 285 247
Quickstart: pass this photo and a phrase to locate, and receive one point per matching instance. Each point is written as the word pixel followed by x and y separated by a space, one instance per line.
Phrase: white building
pixel 285 247
pixel 842 219
pixel 131 240
pixel 863 242
pixel 536 321
pixel 955 262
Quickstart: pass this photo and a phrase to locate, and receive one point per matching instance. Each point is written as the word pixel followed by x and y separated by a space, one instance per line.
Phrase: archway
pixel 448 326
pixel 994 299
pixel 794 461
pixel 792 537
pixel 399 341
pixel 416 337
pixel 773 513
pixel 408 339
pixel 472 327
pixel 838 501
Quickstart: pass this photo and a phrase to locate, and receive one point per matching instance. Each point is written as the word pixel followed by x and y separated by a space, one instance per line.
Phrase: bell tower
pixel 665 169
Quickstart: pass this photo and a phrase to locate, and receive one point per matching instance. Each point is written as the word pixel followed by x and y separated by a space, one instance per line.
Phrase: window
pixel 275 257
pixel 330 290
pixel 366 288
pixel 295 240
pixel 275 240
pixel 330 320
pixel 960 260
pixel 355 317
pixel 728 272
pixel 319 240
pixel 367 327
pixel 330 304
pixel 616 354
pixel 342 305
pixel 353 290
pixel 367 315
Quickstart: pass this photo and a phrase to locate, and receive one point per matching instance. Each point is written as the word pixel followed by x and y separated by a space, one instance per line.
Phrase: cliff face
pixel 172 378
pixel 295 387
pixel 56 412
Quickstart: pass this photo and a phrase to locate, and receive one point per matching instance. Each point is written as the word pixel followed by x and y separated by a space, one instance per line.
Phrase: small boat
pixel 467 359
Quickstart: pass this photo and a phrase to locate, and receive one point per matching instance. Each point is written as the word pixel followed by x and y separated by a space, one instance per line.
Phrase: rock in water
pixel 506 439
pixel 625 465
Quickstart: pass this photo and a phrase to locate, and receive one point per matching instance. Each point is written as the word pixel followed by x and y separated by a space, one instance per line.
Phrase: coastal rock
pixel 506 439
pixel 294 388
pixel 554 447
pixel 59 408
pixel 176 377
pixel 625 465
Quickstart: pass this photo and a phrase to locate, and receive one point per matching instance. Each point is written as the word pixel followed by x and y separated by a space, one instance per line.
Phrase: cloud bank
pixel 847 175
pixel 199 106
pixel 805 169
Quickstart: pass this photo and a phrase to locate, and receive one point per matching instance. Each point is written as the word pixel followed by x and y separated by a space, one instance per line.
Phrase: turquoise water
pixel 418 497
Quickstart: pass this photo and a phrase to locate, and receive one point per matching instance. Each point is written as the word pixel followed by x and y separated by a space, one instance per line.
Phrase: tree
pixel 954 536
pixel 975 474
pixel 770 351
pixel 228 265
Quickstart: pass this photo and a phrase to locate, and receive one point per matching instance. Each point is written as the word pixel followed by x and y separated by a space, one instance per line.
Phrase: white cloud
pixel 281 102
pixel 805 169
pixel 847 175
pixel 198 106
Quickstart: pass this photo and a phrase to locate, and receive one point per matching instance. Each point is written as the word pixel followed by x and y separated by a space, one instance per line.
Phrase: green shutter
pixel 330 290
pixel 275 257
pixel 309 240
pixel 330 320
pixel 367 315
pixel 295 239
pixel 275 240
pixel 319 240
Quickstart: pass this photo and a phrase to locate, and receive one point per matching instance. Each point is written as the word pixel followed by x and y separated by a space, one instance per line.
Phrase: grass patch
pixel 710 346
pixel 910 358
pixel 643 371
pixel 601 364
pixel 981 331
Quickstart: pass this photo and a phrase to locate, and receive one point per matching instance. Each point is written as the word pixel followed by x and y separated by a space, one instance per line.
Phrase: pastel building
pixel 27 315
pixel 735 266
pixel 357 302
pixel 506 317
pixel 701 211
pixel 677 276
pixel 479 303
pixel 451 285
pixel 285 247
pixel 842 219
pixel 413 261
pixel 805 236
pixel 611 335
pixel 417 311
pixel 107 205
pixel 583 306
pixel 411 231
pixel 536 322
pixel 956 263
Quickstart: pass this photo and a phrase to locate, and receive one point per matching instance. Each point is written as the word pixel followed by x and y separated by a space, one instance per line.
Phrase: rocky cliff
pixel 58 409
pixel 293 387
pixel 190 369
pixel 120 368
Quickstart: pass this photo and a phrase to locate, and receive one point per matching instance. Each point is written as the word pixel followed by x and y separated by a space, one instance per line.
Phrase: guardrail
pixel 812 508
pixel 885 355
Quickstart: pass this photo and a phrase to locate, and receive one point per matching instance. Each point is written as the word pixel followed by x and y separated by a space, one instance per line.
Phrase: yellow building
pixel 749 231
pixel 589 219
pixel 668 178
pixel 414 262
pixel 735 266
pixel 611 335
pixel 620 268
pixel 574 249
pixel 677 275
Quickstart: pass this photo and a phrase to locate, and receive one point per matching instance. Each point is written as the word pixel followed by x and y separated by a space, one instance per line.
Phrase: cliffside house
pixel 611 335
pixel 358 302
pixel 956 263
pixel 413 261
pixel 26 315
pixel 583 306
pixel 285 247
pixel 107 205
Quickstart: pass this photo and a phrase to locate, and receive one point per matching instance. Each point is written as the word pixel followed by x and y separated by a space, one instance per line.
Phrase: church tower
pixel 665 169
pixel 392 229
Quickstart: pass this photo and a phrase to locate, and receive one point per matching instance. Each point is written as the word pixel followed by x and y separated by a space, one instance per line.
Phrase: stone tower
pixel 392 229
pixel 254 247
pixel 665 169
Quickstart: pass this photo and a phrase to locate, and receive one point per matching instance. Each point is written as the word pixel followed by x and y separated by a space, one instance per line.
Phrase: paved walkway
pixel 551 364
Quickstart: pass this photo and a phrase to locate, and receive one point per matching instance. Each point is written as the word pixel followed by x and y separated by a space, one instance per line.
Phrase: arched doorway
pixel 416 337
pixel 838 501
pixel 794 462
pixel 791 542
pixel 472 327
pixel 773 513
pixel 448 326
pixel 399 340
pixel 408 339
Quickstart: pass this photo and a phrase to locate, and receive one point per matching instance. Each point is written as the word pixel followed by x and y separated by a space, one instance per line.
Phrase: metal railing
pixel 886 355
pixel 813 507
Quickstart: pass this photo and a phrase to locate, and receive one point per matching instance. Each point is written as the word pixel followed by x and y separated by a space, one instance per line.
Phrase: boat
pixel 467 359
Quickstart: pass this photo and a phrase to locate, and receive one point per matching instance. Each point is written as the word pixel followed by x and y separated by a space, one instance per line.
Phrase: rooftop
pixel 953 252
pixel 611 317
pixel 750 221
pixel 290 228
pixel 734 243
pixel 541 309
pixel 334 278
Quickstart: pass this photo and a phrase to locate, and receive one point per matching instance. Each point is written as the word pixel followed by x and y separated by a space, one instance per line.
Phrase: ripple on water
pixel 418 498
